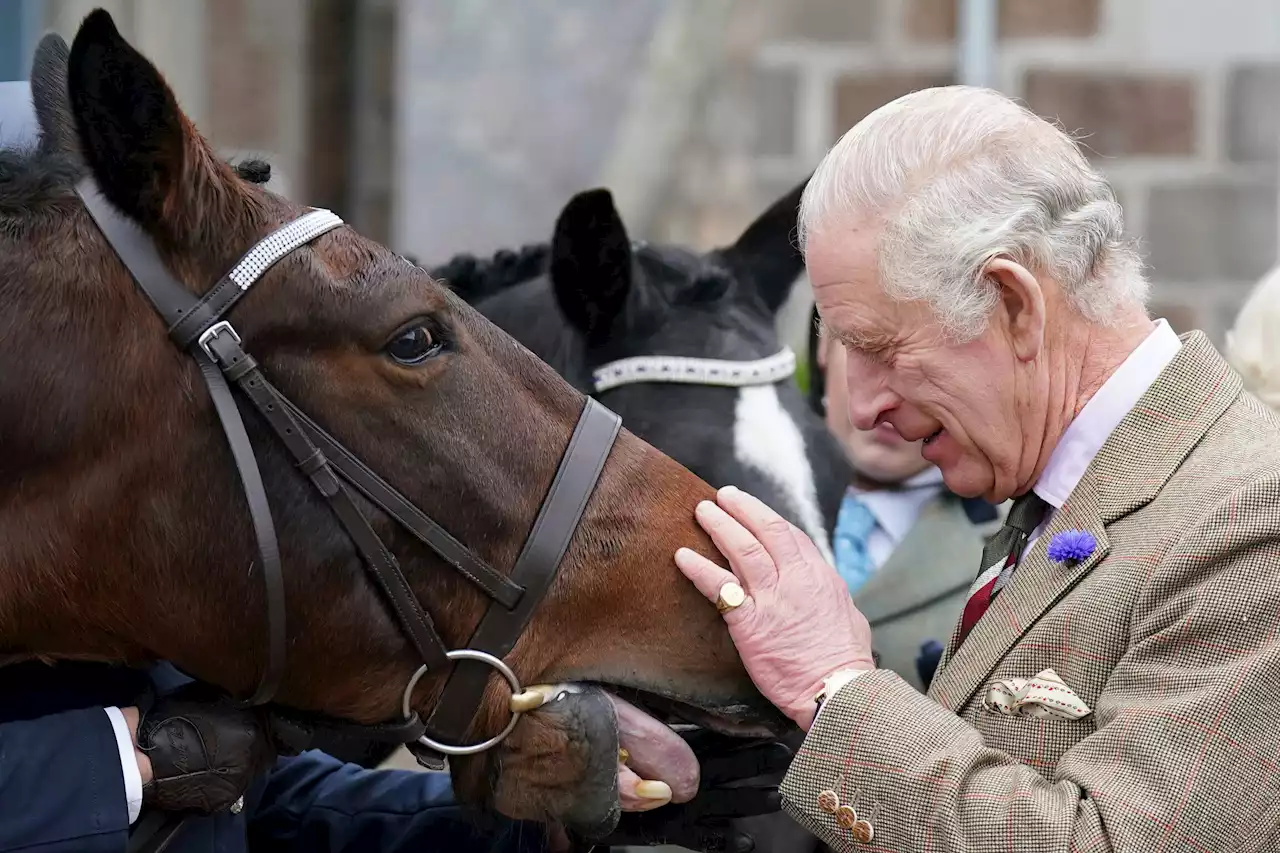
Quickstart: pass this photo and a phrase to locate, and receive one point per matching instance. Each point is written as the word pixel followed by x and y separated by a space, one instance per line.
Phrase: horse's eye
pixel 413 346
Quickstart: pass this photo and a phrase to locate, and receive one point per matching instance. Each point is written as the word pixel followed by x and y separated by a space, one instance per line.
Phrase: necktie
pixel 1000 557
pixel 854 524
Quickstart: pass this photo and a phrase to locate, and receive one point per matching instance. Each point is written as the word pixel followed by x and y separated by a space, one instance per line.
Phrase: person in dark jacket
pixel 65 780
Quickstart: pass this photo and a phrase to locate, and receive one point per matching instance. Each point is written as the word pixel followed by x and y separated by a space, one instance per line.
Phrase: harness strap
pixel 243 370
pixel 170 299
pixel 218 301
pixel 299 731
pixel 535 569
pixel 263 528
pixel 497 586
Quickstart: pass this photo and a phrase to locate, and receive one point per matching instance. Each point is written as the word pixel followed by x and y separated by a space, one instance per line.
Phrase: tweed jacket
pixel 1169 632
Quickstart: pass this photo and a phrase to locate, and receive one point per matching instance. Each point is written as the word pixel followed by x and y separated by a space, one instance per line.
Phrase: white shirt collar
pixel 1103 413
pixel 896 510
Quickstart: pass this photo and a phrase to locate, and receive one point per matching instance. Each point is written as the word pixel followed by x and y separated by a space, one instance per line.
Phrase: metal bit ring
pixel 483 746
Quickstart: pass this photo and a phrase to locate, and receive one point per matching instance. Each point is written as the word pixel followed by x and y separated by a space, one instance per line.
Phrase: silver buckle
pixel 212 332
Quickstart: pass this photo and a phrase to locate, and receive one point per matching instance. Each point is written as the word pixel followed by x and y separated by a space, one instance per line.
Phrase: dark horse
pixel 682 345
pixel 125 535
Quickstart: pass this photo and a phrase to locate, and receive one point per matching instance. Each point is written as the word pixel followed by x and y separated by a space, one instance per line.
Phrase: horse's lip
pixel 736 719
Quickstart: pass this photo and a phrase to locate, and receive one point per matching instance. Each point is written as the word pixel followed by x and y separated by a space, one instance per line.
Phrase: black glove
pixel 703 823
pixel 204 751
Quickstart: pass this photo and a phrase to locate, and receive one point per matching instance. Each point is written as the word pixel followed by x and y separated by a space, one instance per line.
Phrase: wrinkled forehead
pixel 844 272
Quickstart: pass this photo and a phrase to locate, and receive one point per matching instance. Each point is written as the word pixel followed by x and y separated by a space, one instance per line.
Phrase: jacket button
pixel 828 801
pixel 863 831
pixel 846 817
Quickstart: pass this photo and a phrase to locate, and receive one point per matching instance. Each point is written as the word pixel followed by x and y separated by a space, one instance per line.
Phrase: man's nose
pixel 869 397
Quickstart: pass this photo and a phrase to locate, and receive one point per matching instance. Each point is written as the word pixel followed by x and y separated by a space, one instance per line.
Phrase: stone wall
pixel 1177 100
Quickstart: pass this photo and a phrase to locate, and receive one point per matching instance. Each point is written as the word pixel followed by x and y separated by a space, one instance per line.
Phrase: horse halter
pixel 687 370
pixel 198 327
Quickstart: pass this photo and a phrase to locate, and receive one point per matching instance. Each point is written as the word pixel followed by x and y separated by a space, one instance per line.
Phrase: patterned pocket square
pixel 1043 696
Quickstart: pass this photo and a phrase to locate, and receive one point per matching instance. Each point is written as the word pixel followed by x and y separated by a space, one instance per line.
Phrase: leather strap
pixel 171 300
pixel 494 584
pixel 297 731
pixel 263 527
pixel 241 369
pixel 265 254
pixel 535 568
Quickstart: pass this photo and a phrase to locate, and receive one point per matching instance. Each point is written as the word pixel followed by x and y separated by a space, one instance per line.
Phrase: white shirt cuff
pixel 128 762
pixel 853 673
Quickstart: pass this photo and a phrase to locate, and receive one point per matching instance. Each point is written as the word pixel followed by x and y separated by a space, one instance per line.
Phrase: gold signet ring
pixel 731 596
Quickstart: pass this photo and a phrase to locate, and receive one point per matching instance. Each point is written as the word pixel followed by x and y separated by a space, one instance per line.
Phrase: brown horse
pixel 124 532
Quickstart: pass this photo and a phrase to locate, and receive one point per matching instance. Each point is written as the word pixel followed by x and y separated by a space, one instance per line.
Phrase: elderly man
pixel 1111 684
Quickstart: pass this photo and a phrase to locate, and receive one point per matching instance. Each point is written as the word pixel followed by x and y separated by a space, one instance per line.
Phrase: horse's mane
pixel 32 179
pixel 474 279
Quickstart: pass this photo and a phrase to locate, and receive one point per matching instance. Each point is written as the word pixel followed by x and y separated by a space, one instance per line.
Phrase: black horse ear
pixel 145 155
pixel 591 263
pixel 767 255
pixel 49 96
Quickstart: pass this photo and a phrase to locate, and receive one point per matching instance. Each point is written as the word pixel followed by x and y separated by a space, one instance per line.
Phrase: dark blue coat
pixel 62 789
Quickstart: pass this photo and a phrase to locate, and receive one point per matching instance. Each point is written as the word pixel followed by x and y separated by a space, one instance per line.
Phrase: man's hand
pixel 739 779
pixel 798 624
pixel 202 751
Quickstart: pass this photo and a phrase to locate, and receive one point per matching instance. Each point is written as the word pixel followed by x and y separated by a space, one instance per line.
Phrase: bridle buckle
pixel 212 332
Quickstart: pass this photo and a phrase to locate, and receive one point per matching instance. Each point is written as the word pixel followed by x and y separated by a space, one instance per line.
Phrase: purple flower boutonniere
pixel 1072 546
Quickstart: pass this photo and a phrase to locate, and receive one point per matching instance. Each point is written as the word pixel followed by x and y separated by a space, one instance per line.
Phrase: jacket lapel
pixel 925 566
pixel 1037 584
pixel 1131 468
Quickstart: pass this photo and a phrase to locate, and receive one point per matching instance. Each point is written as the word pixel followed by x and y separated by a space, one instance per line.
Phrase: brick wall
pixel 1177 101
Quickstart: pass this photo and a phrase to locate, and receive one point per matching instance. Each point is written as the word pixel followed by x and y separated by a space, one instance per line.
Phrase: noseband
pixel 199 327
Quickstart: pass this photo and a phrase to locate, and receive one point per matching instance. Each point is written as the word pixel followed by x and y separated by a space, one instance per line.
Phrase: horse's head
pixel 599 307
pixel 126 535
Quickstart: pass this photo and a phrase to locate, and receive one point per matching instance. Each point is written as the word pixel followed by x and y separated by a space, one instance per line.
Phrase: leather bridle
pixel 199 327
pixel 690 370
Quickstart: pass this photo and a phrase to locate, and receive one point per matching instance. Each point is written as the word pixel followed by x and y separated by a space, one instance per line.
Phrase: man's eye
pixel 413 346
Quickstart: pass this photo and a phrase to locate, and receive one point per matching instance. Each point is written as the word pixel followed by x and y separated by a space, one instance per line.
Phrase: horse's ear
pixel 49 96
pixel 591 263
pixel 143 152
pixel 767 254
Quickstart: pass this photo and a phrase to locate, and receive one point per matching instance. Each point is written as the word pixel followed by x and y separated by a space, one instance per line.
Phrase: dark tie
pixel 999 558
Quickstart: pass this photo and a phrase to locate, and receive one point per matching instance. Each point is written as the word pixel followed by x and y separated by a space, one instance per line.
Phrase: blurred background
pixel 441 126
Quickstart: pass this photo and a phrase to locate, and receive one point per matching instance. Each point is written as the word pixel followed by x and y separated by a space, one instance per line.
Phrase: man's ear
pixel 1022 302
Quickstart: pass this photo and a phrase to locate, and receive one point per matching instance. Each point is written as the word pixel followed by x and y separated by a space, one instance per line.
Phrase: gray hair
pixel 958 176
pixel 1252 347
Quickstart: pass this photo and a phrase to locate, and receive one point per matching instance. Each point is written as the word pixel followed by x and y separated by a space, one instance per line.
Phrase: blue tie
pixel 853 525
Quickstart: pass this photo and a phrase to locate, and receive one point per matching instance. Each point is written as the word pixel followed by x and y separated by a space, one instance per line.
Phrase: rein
pixel 199 327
